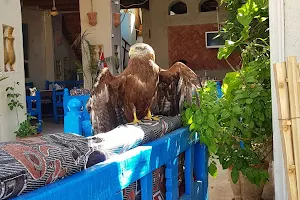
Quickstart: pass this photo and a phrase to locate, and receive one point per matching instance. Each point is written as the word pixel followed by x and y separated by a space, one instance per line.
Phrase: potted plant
pixel 26 129
pixel 237 128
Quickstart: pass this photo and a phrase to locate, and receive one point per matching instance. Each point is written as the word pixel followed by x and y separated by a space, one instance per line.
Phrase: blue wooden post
pixel 188 172
pixel 73 121
pixel 39 110
pixel 65 102
pixel 172 191
pixel 47 85
pixel 87 128
pixel 219 90
pixel 147 187
pixel 201 169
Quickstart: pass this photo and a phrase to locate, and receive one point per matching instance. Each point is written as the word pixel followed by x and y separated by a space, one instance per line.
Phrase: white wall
pixel 285 41
pixel 63 52
pixel 101 33
pixel 10 14
pixel 128 31
pixel 40 46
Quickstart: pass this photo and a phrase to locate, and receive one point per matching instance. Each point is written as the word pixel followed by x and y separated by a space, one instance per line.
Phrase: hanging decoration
pixel 92 16
pixel 117 19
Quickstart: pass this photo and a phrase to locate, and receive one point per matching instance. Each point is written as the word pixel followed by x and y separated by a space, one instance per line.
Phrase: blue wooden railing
pixel 35 110
pixel 136 164
pixel 106 180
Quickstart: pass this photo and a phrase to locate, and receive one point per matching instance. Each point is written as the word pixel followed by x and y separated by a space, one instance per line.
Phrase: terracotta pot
pixel 92 18
pixel 117 19
pixel 244 190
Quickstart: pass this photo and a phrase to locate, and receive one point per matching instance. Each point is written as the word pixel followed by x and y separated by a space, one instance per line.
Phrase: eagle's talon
pixel 152 118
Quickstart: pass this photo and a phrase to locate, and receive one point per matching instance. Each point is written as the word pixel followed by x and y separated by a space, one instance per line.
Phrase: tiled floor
pixel 50 127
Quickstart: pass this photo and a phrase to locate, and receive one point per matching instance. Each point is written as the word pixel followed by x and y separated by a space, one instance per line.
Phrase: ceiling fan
pixel 54 12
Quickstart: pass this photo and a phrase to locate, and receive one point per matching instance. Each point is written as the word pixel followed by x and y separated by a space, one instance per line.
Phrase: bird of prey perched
pixel 143 85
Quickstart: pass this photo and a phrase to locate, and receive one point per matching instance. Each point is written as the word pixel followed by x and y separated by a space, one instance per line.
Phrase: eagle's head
pixel 142 50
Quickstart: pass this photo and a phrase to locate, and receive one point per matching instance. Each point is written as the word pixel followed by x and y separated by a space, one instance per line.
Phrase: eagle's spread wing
pixel 175 85
pixel 106 102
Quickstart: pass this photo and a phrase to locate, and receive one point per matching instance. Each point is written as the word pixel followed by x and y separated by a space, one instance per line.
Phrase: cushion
pixel 34 162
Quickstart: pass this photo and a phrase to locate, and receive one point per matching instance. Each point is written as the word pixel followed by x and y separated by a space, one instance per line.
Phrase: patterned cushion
pixel 79 92
pixel 33 162
pixel 30 163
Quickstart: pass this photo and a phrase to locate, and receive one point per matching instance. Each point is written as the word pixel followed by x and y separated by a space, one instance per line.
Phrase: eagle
pixel 141 89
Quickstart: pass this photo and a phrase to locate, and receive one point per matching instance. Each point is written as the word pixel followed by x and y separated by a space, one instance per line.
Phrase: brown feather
pixel 176 84
pixel 141 86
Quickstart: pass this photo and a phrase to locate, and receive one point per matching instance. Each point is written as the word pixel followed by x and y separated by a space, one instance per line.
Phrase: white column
pixel 285 41
pixel 103 32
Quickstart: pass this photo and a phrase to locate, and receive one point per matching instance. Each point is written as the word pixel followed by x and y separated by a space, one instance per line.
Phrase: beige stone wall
pixel 157 20
pixel 10 14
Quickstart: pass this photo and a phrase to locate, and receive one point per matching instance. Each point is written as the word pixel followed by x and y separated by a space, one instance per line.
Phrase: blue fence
pixel 106 180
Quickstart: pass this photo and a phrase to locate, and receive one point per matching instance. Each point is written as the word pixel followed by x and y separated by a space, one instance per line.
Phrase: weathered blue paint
pixel 37 111
pixel 201 169
pixel 57 102
pixel 219 90
pixel 73 119
pixel 105 180
pixel 147 187
pixel 188 173
pixel 74 107
pixel 172 191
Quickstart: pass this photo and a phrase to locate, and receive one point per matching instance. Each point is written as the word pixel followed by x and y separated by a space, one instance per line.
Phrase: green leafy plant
pixel 237 128
pixel 14 102
pixel 2 77
pixel 26 128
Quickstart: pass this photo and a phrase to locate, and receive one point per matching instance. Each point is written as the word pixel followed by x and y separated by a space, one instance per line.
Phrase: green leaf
pixel 211 124
pixel 212 169
pixel 234 175
pixel 249 101
pixel 237 110
pixel 192 126
pixel 239 96
pixel 245 13
pixel 227 49
pixel 211 117
pixel 249 175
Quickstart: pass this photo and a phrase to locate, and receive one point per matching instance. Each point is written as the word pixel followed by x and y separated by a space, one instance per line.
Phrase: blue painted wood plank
pixel 172 190
pixel 188 172
pixel 104 179
pixel 200 167
pixel 198 191
pixel 147 187
pixel 185 197
pixel 118 196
